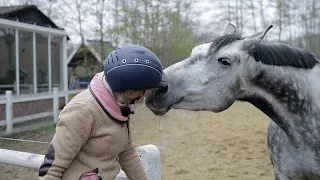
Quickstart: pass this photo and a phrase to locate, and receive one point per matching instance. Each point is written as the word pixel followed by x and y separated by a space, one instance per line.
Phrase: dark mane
pixel 222 41
pixel 283 55
pixel 271 54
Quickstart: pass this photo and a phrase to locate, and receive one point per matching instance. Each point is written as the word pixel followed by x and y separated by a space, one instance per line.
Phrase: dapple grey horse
pixel 280 80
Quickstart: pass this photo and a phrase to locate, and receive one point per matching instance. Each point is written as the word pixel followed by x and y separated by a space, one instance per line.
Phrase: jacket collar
pixel 103 94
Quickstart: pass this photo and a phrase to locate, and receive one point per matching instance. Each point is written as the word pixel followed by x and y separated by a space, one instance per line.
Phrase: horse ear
pixel 230 30
pixel 259 36
pixel 256 39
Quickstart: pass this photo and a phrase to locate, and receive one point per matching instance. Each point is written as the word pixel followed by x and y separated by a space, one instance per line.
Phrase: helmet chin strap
pixel 137 99
pixel 123 103
pixel 125 110
pixel 134 101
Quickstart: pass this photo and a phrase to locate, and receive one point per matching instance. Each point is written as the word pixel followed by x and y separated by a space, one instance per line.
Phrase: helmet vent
pixel 136 60
pixel 147 61
pixel 117 55
pixel 111 58
pixel 124 60
pixel 140 51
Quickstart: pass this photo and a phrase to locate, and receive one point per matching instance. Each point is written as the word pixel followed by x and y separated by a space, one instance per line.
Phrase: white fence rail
pixel 149 154
pixel 10 100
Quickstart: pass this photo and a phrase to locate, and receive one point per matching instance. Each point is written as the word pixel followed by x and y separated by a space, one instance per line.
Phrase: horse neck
pixel 288 96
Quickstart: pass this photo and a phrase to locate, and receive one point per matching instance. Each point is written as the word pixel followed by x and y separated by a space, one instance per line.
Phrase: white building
pixel 33 60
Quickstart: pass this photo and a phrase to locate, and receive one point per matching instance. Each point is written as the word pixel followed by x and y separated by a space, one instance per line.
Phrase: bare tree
pixel 252 7
pixel 100 14
pixel 241 16
pixel 51 8
pixel 75 12
pixel 229 10
pixel 263 20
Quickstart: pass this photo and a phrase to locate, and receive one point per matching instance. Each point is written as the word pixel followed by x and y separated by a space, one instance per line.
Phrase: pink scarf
pixel 102 92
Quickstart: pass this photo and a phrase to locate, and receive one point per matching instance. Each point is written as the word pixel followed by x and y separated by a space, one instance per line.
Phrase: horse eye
pixel 224 61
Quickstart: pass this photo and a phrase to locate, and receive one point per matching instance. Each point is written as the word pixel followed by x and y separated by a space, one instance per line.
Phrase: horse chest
pixel 296 163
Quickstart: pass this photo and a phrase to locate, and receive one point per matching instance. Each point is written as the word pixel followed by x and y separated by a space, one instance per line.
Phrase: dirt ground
pixel 231 145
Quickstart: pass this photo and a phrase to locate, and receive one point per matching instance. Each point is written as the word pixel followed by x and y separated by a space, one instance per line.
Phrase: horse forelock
pixel 221 42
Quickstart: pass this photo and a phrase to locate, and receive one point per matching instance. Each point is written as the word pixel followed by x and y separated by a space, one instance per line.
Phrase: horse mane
pixel 271 54
pixel 283 55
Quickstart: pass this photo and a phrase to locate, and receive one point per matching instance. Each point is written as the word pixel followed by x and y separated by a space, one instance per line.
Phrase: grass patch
pixel 27 135
pixel 70 96
pixel 44 129
pixel 48 129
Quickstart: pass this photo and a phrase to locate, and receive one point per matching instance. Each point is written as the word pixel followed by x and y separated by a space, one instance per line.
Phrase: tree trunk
pixel 253 16
pixel 263 20
pixel 229 11
pixel 280 19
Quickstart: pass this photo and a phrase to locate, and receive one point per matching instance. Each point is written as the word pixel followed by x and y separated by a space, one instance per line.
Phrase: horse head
pixel 210 79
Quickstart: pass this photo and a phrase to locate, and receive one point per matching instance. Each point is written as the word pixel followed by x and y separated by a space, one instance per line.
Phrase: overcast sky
pixel 208 20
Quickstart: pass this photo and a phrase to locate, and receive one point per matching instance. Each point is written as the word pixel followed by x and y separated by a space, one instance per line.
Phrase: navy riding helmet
pixel 133 67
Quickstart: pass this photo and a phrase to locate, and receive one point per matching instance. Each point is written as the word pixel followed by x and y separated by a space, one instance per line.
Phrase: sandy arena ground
pixel 231 145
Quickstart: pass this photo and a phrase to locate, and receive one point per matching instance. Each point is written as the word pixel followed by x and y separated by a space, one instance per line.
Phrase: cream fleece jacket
pixel 87 138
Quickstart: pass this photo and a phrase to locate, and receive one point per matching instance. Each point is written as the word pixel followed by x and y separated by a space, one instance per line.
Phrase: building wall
pixel 30 107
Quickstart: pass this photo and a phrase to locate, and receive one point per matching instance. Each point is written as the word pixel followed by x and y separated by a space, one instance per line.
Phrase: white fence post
pixel 9 112
pixel 151 160
pixel 55 105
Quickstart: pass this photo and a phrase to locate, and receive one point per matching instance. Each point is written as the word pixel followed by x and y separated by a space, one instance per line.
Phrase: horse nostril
pixel 162 90
pixel 149 101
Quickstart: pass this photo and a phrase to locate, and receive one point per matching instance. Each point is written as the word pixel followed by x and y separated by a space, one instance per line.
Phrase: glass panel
pixel 7 60
pixel 56 62
pixel 26 62
pixel 42 62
